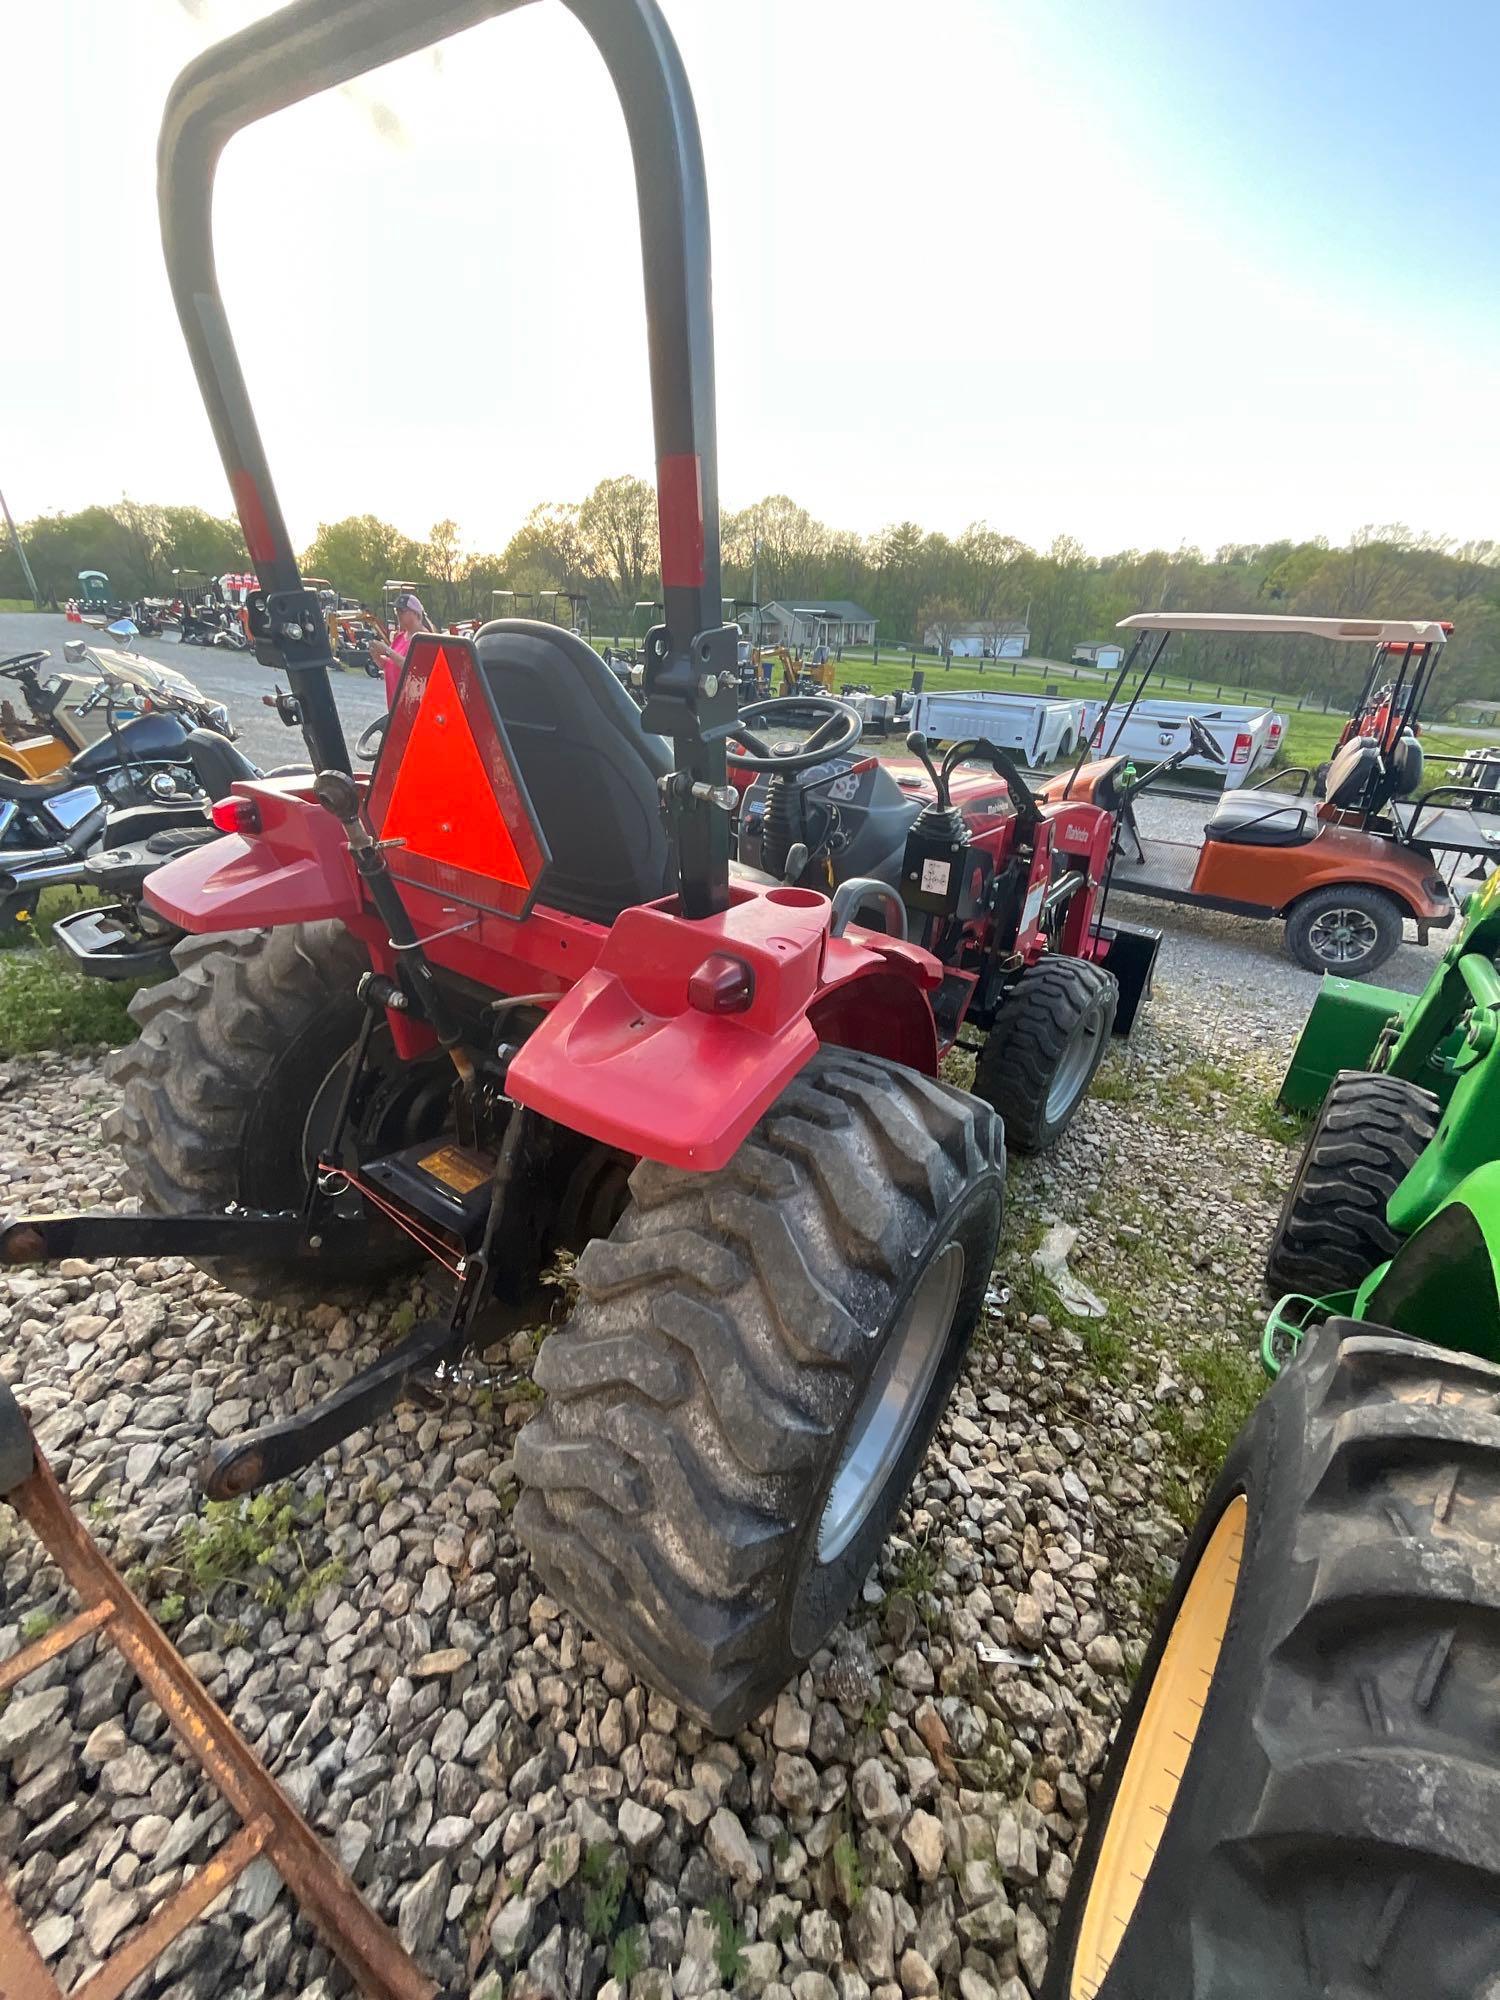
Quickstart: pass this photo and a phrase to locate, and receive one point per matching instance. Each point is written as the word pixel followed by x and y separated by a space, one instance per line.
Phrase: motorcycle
pixel 112 734
pixel 127 939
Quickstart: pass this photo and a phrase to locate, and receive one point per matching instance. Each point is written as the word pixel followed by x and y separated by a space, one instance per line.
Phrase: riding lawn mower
pixel 512 994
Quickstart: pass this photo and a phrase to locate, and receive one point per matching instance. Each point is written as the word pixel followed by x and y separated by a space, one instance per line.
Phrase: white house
pixel 982 639
pixel 1107 654
pixel 830 621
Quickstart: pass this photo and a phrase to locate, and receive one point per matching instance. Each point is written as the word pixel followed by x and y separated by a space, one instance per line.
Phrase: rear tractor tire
pixel 1048 1038
pixel 1302 1799
pixel 1346 929
pixel 230 1091
pixel 752 1373
pixel 1332 1232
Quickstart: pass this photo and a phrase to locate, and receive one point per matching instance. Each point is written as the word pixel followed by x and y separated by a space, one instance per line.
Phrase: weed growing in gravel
pixel 628 1957
pixel 877 1710
pixel 1107 1348
pixel 254 1543
pixel 1232 1384
pixel 1287 1128
pixel 848 1871
pixel 1118 1080
pixel 36 1625
pixel 729 1942
pixel 914 1569
pixel 1200 1082
pixel 604 1874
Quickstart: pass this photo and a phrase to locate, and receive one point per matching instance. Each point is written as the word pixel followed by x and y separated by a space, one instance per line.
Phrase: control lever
pixel 916 742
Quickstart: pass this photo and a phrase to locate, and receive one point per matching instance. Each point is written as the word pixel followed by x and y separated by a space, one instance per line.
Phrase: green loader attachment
pixel 1394 1214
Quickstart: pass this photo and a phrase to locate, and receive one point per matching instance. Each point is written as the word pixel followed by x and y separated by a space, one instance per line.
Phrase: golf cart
pixel 1345 870
pixel 570 609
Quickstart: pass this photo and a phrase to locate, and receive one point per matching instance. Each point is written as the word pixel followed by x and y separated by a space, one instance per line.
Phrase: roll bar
pixel 315 45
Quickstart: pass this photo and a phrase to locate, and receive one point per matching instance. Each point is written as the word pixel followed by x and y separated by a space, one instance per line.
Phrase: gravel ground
pixel 529 1817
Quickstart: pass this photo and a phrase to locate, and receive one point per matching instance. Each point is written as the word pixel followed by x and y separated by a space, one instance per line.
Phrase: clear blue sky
pixel 1140 272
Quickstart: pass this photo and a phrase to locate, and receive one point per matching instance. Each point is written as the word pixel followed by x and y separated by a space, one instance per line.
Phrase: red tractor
pixel 511 995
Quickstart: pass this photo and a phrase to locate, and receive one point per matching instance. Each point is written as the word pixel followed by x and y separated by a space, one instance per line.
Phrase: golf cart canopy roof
pixel 1356 631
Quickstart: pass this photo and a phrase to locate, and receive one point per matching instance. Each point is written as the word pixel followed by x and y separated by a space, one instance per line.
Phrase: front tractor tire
pixel 230 1090
pixel 1048 1038
pixel 1302 1799
pixel 1332 1231
pixel 754 1368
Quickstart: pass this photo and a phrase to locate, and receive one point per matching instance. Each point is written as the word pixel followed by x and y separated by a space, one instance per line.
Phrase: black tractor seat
pixel 35 791
pixel 592 771
pixel 1259 819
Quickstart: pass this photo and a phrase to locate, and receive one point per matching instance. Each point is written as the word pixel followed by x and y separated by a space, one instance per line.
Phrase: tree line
pixel 912 580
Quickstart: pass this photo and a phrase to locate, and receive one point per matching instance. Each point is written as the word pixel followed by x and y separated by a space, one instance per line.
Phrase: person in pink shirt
pixel 410 617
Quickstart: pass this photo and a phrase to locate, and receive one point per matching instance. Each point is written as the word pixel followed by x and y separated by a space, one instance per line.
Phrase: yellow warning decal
pixel 456 1169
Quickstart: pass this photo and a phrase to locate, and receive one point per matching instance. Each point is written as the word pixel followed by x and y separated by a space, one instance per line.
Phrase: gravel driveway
pixel 529 1816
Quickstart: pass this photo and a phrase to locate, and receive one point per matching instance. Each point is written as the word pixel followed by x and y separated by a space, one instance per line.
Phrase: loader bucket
pixel 1339 1033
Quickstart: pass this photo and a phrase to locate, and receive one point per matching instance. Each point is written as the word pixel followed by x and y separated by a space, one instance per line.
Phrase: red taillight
pixel 1241 752
pixel 1098 736
pixel 721 985
pixel 1275 732
pixel 234 815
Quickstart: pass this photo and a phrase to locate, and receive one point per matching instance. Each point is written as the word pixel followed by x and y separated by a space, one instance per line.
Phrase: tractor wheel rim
pixel 892 1402
pixel 1344 937
pixel 1071 1076
pixel 1159 1755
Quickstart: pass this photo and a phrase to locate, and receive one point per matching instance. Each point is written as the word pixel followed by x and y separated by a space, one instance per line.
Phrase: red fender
pixel 633 1058
pixel 296 869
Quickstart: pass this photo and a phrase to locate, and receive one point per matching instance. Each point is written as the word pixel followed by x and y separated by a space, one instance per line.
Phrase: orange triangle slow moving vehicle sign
pixel 448 789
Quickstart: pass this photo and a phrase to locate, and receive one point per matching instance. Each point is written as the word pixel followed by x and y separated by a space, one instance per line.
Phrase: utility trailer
pixel 1041 727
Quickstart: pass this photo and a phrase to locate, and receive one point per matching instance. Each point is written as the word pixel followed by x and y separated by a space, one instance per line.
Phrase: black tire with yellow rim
pixel 1304 1796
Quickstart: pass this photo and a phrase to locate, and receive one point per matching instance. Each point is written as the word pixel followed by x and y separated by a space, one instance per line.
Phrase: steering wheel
pixel 1203 743
pixel 20 663
pixel 833 725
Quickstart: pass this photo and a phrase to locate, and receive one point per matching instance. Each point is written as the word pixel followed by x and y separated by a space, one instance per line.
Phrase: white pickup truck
pixel 1041 727
pixel 1249 736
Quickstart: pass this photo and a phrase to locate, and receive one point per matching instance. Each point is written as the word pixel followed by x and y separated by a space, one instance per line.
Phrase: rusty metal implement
pixel 270 1825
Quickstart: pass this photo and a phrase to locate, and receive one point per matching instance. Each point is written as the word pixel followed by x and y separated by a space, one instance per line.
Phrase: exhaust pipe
pixel 18 881
pixel 40 857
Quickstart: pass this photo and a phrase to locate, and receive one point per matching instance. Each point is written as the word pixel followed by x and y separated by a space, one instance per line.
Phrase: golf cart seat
pixel 1261 819
pixel 591 769
pixel 1350 772
pixel 1407 764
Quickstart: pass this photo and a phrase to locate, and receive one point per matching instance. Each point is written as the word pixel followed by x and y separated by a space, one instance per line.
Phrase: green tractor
pixel 1304 1794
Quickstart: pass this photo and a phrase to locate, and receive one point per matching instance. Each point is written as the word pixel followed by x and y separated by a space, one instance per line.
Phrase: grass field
pixel 44 1003
pixel 1025 677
